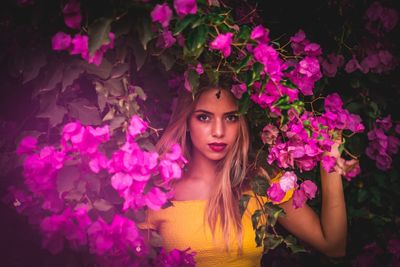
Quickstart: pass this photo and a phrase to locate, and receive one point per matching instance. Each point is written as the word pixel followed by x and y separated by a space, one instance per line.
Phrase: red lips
pixel 217 147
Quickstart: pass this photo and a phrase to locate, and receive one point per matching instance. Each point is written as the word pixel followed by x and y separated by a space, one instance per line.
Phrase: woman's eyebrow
pixel 210 113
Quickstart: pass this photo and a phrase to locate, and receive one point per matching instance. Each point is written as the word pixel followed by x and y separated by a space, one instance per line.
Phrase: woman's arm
pixel 328 232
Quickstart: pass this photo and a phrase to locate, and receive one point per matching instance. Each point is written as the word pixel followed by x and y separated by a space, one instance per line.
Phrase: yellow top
pixel 181 226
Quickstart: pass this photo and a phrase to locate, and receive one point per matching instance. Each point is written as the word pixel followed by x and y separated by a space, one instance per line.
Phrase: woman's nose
pixel 218 128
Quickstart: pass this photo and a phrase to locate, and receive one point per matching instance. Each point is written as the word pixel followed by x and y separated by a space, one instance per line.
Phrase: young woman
pixel 205 213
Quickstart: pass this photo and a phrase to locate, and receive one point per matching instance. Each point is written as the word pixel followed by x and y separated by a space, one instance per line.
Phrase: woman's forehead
pixel 217 99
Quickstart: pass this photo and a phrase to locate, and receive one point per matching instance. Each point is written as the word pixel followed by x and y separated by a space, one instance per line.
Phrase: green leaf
pixel 271 241
pixel 119 70
pixel 182 24
pixel 139 52
pixel 244 33
pixel 362 195
pixel 243 63
pixel 283 100
pixel 244 103
pixel 255 218
pixel 260 233
pixel 259 185
pixel 291 243
pixel 49 109
pixel 66 179
pixel 102 205
pixel 98 34
pixel 83 111
pixel 168 60
pixel 193 79
pixel 243 202
pixel 197 38
pixel 144 31
pixel 103 71
pixel 274 212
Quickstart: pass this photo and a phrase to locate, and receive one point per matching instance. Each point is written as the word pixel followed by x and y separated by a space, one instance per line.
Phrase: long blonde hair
pixel 223 204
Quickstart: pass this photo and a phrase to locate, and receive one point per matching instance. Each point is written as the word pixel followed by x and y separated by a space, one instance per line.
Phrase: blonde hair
pixel 223 204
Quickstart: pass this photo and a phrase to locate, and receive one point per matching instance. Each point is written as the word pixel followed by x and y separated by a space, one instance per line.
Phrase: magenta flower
pixel 185 7
pixel 27 145
pixel 121 181
pixel 80 44
pixel 199 69
pixel 223 43
pixel 288 181
pixel 309 67
pixel 238 90
pixel 260 34
pixel 61 41
pixel 72 14
pixel 309 188
pixel 333 103
pixel 136 126
pixel 156 198
pixel 352 65
pixel 385 123
pixel 165 40
pixel 397 128
pixel 162 14
pixel 275 193
pixel 353 172
pixel 299 198
pixel 328 163
pixel 269 134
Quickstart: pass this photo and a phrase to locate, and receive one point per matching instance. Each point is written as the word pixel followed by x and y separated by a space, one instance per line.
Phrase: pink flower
pixel 298 37
pixel 309 188
pixel 136 126
pixel 166 40
pixel 61 41
pixel 393 247
pixel 299 198
pixel 352 65
pixel 333 103
pixel 352 173
pixel 156 198
pixel 121 181
pixel 199 69
pixel 80 44
pixel 223 43
pixel 288 181
pixel 185 7
pixel 269 134
pixel 328 163
pixel 275 193
pixel 397 128
pixel 260 34
pixel 385 123
pixel 162 14
pixel 309 67
pixel 312 49
pixel 72 14
pixel 238 90
pixel 27 145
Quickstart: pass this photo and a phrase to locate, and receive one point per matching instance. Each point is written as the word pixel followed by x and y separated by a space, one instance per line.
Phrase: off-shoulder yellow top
pixel 181 226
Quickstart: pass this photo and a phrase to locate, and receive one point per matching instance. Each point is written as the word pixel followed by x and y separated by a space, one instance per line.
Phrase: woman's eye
pixel 232 118
pixel 203 117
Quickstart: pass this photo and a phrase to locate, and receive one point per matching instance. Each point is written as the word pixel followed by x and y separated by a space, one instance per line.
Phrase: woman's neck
pixel 199 179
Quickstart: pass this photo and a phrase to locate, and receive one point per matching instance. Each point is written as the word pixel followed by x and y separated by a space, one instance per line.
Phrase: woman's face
pixel 214 124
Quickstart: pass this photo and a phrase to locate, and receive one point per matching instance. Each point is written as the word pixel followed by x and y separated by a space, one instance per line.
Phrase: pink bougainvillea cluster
pixel 383 142
pixel 65 186
pixel 79 43
pixel 306 136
